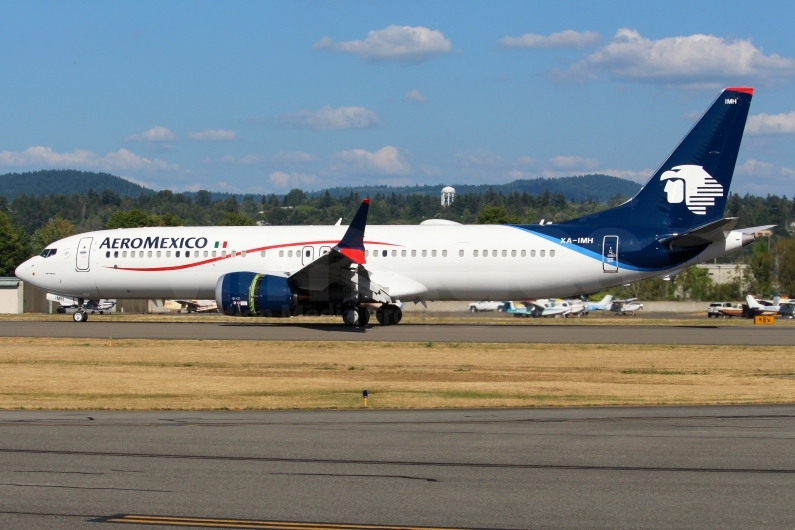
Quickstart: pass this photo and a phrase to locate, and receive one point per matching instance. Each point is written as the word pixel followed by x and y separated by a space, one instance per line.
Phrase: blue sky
pixel 267 96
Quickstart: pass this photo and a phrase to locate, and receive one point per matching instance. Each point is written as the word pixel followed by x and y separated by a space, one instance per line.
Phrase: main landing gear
pixel 359 316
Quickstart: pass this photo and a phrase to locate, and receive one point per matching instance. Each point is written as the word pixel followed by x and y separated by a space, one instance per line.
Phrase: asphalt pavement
pixel 666 467
pixel 698 333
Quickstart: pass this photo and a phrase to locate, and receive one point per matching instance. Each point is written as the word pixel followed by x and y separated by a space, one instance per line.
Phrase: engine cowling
pixel 253 294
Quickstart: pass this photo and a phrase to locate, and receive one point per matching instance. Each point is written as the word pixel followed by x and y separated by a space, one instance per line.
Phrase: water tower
pixel 448 195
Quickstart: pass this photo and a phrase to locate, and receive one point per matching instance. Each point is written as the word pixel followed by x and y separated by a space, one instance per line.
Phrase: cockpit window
pixel 47 252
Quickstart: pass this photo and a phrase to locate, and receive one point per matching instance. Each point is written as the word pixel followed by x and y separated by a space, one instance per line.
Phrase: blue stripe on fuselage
pixel 635 253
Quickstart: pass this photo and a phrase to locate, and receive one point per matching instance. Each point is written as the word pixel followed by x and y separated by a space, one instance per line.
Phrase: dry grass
pixel 148 374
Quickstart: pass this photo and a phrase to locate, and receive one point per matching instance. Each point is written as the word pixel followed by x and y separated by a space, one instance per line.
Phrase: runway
pixel 514 333
pixel 682 467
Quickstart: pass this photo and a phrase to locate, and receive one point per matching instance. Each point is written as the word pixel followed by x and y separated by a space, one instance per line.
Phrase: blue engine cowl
pixel 252 294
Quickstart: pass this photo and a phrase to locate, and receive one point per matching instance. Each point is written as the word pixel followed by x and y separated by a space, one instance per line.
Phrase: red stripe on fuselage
pixel 229 256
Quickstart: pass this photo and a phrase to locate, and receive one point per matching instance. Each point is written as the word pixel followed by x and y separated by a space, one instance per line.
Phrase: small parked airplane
pixel 195 306
pixel 605 304
pixel 675 221
pixel 755 308
pixel 622 307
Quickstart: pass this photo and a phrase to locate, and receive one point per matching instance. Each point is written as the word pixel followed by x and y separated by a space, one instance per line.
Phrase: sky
pixel 261 97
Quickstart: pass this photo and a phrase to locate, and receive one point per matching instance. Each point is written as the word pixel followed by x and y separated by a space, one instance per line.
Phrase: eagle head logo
pixel 692 185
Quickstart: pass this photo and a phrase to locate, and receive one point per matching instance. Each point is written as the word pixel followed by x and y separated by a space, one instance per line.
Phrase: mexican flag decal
pixel 217 242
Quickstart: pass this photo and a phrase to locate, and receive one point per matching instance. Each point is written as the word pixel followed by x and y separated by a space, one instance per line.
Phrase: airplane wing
pixel 188 303
pixel 342 269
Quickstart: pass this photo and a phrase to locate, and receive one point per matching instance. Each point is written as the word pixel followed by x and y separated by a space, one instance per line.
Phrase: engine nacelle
pixel 252 294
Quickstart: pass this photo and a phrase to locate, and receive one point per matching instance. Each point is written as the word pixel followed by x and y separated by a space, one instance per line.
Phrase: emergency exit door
pixel 610 254
pixel 83 255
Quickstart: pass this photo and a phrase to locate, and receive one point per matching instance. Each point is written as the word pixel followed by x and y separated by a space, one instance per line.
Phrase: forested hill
pixel 65 182
pixel 597 187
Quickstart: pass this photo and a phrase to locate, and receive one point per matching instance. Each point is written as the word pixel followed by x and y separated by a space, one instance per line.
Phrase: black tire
pixel 379 315
pixel 473 309
pixel 80 316
pixel 397 315
pixel 364 316
pixel 350 317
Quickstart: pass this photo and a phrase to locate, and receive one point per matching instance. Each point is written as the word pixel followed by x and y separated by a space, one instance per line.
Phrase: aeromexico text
pixel 154 242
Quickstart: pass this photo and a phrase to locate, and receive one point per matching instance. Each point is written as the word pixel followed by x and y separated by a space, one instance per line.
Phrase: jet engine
pixel 252 294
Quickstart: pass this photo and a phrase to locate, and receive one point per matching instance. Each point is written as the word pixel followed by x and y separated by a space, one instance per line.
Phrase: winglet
pixel 352 243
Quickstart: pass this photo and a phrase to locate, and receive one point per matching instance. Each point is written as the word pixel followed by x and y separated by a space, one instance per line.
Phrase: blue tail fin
pixel 690 188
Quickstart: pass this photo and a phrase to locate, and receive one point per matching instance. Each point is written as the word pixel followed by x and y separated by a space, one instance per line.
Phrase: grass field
pixel 37 373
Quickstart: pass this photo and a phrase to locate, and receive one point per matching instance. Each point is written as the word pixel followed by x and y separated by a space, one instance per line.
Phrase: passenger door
pixel 83 255
pixel 610 254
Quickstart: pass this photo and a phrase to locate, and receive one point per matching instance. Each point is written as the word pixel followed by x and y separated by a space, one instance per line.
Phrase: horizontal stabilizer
pixel 755 229
pixel 703 235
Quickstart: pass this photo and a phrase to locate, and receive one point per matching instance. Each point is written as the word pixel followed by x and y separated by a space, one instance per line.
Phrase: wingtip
pixel 366 201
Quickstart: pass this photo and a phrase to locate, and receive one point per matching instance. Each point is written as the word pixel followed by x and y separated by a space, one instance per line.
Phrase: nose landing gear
pixel 80 316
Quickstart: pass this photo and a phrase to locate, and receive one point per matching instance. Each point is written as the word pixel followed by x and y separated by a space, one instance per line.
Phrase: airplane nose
pixel 25 271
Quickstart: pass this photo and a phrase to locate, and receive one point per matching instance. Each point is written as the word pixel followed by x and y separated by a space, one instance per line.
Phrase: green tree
pixel 13 246
pixel 130 219
pixel 56 229
pixel 204 198
pixel 165 220
pixel 237 219
pixel 294 197
pixel 759 273
pixel 784 252
pixel 496 215
pixel 696 283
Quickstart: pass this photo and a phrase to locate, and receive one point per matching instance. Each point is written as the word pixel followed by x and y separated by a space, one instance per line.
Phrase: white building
pixel 722 273
pixel 448 195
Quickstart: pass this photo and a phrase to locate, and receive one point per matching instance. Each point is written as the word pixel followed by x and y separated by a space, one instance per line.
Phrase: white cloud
pixel 293 157
pixel 282 180
pixel 332 119
pixel 213 135
pixel 155 134
pixel 40 156
pixel 756 168
pixel 388 161
pixel 564 39
pixel 760 178
pixel 574 162
pixel 394 43
pixel 414 95
pixel 695 61
pixel 281 157
pixel 771 123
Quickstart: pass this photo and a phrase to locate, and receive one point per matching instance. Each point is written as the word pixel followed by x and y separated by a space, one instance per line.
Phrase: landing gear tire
pixel 364 316
pixel 388 315
pixel 80 316
pixel 351 317
pixel 473 309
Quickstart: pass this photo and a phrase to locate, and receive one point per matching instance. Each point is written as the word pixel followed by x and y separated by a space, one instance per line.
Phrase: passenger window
pixel 107 254
pixel 413 253
pixel 394 253
pixel 158 253
pixel 504 253
pixel 176 254
pixel 308 253
pixel 524 253
pixel 366 253
pixel 485 253
pixel 461 253
pixel 444 253
pixel 474 253
pixel 383 253
pixel 281 253
pixel 551 253
pixel 115 253
pixel 513 253
pixel 403 253
pixel 532 253
pixel 433 253
pixel 375 253
pixel 149 254
pixel 494 253
pixel 187 253
pixel 124 254
pixel 232 253
pixel 168 253
pixel 262 253
pixel 289 253
pixel 243 254
pixel 542 253
pixel 424 253
pixel 223 253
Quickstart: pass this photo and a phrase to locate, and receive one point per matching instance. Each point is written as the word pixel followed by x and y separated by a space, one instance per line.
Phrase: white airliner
pixel 675 221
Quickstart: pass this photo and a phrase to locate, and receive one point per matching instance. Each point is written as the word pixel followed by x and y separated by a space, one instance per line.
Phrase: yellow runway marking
pixel 250 523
